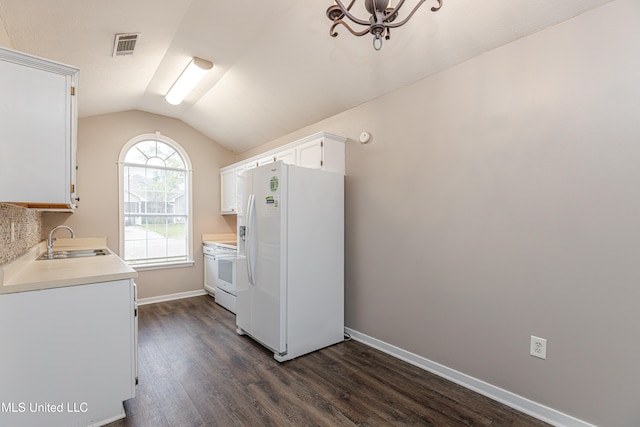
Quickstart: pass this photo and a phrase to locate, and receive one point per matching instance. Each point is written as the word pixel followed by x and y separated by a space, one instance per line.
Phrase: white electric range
pixel 220 272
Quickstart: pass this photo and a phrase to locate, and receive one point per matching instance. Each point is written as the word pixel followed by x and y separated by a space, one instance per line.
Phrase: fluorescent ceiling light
pixel 189 78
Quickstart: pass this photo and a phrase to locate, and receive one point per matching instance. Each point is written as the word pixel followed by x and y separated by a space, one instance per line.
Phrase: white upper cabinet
pixel 309 155
pixel 228 191
pixel 322 150
pixel 265 160
pixel 38 122
pixel 287 156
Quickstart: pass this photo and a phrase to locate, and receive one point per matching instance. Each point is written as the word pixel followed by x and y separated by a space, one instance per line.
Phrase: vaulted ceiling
pixel 276 69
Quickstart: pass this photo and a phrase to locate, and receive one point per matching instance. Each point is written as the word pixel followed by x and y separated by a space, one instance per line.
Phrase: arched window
pixel 155 202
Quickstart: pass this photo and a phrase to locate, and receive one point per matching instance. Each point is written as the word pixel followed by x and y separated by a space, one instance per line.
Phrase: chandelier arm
pixel 380 22
pixel 398 6
pixel 350 15
pixel 404 21
pixel 334 33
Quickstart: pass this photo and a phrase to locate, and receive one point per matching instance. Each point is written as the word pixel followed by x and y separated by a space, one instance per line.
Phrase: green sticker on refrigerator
pixel 273 203
pixel 273 183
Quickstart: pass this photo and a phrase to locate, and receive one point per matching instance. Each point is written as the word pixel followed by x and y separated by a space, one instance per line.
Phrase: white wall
pixel 100 140
pixel 501 199
pixel 4 38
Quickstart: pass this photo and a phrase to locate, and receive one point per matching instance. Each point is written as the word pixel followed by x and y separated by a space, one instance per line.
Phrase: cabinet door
pixel 228 191
pixel 310 154
pixel 318 151
pixel 238 173
pixel 287 156
pixel 37 130
pixel 266 160
pixel 83 350
pixel 255 163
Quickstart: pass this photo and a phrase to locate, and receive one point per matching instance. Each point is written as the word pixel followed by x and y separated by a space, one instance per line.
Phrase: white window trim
pixel 123 152
pixel 161 265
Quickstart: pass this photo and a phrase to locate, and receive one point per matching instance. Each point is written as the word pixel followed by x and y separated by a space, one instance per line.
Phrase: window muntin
pixel 154 153
pixel 155 203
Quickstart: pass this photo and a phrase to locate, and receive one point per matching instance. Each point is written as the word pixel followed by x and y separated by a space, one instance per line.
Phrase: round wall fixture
pixel 365 137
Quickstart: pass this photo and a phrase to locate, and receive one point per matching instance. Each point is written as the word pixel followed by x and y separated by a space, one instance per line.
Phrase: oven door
pixel 225 274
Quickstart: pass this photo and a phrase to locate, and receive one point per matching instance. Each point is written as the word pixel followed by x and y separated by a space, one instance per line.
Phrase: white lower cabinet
pixel 69 355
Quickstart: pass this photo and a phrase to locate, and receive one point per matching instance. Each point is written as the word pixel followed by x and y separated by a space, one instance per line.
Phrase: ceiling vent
pixel 125 43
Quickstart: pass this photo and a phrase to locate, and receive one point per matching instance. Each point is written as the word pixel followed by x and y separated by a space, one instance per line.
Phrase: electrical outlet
pixel 538 347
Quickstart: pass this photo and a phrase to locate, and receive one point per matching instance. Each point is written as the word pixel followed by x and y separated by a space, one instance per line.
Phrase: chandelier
pixel 383 18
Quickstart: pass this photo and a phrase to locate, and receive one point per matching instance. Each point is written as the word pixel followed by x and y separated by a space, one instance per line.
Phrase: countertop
pixel 28 274
pixel 227 239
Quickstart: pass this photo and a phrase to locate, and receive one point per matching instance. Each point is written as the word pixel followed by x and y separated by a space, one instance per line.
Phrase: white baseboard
pixel 529 407
pixel 170 297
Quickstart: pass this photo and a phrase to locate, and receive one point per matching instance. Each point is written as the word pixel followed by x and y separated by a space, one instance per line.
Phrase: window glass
pixel 155 204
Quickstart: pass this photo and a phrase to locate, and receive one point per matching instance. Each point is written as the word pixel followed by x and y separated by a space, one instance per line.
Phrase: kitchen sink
pixel 73 253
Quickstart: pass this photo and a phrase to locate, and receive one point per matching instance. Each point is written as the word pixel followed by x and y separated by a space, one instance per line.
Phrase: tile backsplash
pixel 27 229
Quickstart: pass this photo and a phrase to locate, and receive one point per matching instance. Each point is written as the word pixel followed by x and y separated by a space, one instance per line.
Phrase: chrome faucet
pixel 53 239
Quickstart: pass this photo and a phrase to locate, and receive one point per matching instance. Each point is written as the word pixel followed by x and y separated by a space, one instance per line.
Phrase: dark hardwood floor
pixel 195 370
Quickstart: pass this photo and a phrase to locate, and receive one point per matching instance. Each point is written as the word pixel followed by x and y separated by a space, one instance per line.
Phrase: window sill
pixel 161 265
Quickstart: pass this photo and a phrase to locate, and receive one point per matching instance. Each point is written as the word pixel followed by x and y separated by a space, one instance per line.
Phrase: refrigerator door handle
pixel 249 238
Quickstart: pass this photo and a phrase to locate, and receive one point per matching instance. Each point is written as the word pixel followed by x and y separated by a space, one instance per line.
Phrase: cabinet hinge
pixel 73 188
pixel 73 91
pixel 321 162
pixel 322 143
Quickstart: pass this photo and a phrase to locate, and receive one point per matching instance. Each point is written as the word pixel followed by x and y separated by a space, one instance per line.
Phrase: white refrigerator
pixel 290 269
